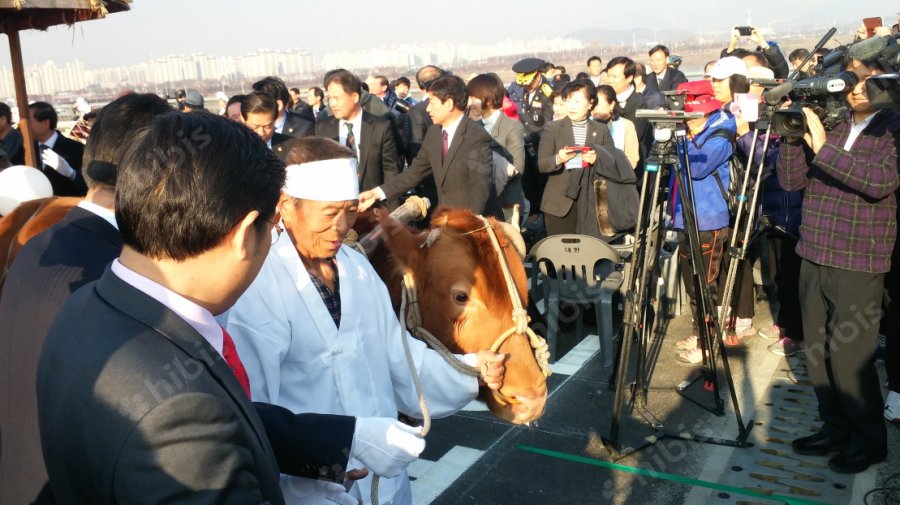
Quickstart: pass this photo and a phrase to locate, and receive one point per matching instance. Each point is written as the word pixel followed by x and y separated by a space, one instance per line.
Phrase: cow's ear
pixel 403 243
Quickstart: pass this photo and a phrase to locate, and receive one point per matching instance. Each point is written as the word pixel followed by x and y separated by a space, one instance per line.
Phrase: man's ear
pixel 244 238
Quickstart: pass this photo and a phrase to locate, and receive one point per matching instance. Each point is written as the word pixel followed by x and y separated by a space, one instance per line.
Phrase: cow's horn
pixel 514 236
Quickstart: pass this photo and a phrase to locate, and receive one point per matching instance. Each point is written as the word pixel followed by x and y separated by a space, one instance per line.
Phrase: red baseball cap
pixel 699 97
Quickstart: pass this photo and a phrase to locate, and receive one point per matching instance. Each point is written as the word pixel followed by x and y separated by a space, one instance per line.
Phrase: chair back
pixel 580 265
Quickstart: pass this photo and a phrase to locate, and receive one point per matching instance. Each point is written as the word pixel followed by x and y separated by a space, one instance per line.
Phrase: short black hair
pixel 738 83
pixel 592 58
pixel 581 75
pixel 317 91
pixel 658 47
pixel 113 132
pixel 798 54
pixel 310 149
pixel 586 86
pixel 274 87
pixel 44 111
pixel 427 75
pixel 545 67
pixel 188 180
pixel 628 65
pixel 402 80
pixel 640 70
pixel 452 87
pixel 561 68
pixel 235 99
pixel 6 112
pixel 489 89
pixel 609 94
pixel 258 103
pixel 347 81
pixel 296 90
pixel 382 80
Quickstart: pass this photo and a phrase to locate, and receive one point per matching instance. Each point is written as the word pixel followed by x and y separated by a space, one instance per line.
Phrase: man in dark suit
pixel 620 75
pixel 300 107
pixel 370 137
pixel 287 122
pixel 456 150
pixel 259 111
pixel 60 157
pixel 663 78
pixel 140 355
pixel 419 122
pixel 46 271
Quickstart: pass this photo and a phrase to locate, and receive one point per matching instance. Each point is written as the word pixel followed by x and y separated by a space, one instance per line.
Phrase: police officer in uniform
pixel 535 111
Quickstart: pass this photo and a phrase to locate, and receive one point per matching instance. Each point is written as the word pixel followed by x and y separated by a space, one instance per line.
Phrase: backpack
pixel 737 167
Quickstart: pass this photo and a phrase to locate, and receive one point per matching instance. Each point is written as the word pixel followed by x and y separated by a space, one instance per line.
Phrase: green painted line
pixel 668 476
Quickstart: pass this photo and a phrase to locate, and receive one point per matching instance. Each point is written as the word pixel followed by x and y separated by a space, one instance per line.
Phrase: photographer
pixel 847 231
pixel 708 153
pixel 768 49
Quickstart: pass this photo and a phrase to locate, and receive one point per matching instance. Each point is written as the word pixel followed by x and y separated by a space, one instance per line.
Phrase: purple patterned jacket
pixel 849 218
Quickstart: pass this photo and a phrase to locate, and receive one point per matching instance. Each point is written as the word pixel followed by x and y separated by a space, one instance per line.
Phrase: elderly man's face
pixel 658 62
pixel 317 229
pixel 615 77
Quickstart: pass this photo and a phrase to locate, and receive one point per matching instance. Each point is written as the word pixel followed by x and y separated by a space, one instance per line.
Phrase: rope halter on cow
pixel 412 318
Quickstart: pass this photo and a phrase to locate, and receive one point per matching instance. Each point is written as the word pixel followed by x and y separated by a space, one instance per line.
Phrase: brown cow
pixel 464 298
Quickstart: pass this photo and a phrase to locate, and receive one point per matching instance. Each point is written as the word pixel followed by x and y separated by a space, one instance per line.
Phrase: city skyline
pixel 231 27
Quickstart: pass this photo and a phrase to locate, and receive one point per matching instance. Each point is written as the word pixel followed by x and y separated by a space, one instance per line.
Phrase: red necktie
pixel 444 147
pixel 234 361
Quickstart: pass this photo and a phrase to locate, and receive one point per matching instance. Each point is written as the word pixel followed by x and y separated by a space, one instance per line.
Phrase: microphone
pixel 774 95
pixel 868 49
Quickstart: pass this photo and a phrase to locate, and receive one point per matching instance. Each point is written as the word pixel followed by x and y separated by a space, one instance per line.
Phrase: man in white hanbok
pixel 317 333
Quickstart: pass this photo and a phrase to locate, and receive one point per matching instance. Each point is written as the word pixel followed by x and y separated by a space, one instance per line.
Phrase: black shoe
pixel 856 460
pixel 817 445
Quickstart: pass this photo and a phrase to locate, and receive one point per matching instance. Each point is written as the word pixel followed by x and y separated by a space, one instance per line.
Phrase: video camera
pixel 823 93
pixel 884 91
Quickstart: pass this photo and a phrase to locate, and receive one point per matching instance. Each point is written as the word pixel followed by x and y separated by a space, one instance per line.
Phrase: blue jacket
pixel 705 157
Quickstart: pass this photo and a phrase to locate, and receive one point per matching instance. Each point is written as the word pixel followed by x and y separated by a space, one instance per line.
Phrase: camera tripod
pixel 641 307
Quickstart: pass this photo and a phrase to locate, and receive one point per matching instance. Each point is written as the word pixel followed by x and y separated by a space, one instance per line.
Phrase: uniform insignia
pixel 546 89
pixel 537 105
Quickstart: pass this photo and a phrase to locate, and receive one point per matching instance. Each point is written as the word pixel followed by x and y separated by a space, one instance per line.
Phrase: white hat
pixel 760 73
pixel 333 180
pixel 21 184
pixel 221 96
pixel 728 66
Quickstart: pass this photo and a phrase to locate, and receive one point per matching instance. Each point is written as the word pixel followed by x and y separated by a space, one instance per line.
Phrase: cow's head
pixel 465 301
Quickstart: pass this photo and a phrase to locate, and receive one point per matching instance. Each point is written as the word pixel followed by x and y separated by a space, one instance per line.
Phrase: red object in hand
pixel 509 108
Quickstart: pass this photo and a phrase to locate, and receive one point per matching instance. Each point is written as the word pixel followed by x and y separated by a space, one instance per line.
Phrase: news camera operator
pixel 847 232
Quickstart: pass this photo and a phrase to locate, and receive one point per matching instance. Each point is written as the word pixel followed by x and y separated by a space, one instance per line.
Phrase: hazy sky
pixel 222 27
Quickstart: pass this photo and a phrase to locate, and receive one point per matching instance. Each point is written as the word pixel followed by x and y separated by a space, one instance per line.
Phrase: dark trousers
pixel 712 248
pixel 841 311
pixel 533 181
pixel 559 225
pixel 890 323
pixel 743 303
pixel 784 270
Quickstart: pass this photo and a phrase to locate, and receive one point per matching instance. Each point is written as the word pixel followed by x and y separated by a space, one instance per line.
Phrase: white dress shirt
pixel 356 121
pixel 451 129
pixel 103 212
pixel 199 318
pixel 856 129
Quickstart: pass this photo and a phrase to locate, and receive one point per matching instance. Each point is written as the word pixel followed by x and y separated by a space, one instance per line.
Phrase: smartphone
pixel 744 31
pixel 871 24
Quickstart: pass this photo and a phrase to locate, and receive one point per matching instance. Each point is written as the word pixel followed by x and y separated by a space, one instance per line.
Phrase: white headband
pixel 324 181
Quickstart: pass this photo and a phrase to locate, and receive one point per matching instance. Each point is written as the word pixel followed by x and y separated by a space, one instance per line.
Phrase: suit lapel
pixel 566 135
pixel 593 134
pixel 454 146
pixel 137 305
pixel 363 142
pixel 95 224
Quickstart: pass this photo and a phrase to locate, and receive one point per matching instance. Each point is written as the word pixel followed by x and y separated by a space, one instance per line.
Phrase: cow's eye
pixel 460 296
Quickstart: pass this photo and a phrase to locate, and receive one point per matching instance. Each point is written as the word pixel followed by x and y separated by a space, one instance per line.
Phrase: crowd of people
pixel 201 264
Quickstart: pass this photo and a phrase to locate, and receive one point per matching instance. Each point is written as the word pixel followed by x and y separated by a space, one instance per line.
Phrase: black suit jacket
pixel 378 160
pixel 464 179
pixel 555 136
pixel 176 425
pixel 280 144
pixel 297 127
pixel 72 152
pixel 304 110
pixel 47 270
pixel 419 121
pixel 642 126
pixel 669 82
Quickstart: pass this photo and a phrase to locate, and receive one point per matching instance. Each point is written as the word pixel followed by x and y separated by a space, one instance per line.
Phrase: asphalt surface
pixel 472 458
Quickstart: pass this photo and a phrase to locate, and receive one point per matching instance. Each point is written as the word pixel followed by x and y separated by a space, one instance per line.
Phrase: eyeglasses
pixel 277 230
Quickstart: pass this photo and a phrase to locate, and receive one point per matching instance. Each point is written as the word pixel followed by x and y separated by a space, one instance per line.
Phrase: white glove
pixel 58 163
pixel 386 446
